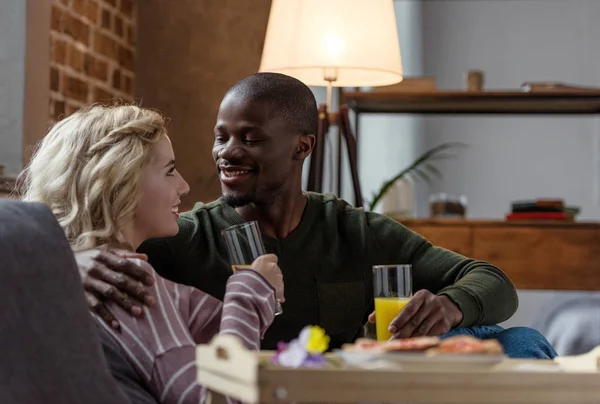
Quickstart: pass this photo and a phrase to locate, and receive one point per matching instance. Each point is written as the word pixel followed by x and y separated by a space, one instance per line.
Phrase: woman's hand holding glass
pixel 266 266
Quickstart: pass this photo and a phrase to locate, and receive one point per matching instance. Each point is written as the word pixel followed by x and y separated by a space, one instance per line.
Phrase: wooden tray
pixel 225 367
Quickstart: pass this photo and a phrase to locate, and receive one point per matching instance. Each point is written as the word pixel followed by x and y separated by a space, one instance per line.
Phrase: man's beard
pixel 237 201
pixel 259 196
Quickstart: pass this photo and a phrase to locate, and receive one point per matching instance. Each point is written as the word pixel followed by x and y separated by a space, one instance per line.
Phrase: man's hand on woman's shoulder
pixel 108 274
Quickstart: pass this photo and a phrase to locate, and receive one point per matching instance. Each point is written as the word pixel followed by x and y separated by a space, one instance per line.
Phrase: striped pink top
pixel 162 343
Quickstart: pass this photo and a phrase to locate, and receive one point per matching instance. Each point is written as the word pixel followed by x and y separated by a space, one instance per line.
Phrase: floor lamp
pixel 333 43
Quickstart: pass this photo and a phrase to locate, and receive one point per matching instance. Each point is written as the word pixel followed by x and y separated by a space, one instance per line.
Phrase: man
pixel 326 248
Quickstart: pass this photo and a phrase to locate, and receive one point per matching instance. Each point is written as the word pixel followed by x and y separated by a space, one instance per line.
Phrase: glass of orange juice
pixel 392 286
pixel 244 245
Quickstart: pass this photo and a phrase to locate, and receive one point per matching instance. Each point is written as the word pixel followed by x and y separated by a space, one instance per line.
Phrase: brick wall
pixel 92 52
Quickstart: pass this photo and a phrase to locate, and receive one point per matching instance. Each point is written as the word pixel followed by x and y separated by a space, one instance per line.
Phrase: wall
pixel 12 82
pixel 188 56
pixel 514 42
pixel 92 52
pixel 57 56
pixel 516 157
pixel 24 76
pixel 37 74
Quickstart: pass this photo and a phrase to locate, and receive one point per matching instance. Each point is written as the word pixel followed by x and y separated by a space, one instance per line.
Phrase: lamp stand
pixel 315 175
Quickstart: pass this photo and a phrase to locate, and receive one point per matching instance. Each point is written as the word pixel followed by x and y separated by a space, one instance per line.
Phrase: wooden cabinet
pixel 559 256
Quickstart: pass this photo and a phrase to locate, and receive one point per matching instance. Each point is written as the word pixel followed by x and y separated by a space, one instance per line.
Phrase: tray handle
pixel 226 355
pixel 587 362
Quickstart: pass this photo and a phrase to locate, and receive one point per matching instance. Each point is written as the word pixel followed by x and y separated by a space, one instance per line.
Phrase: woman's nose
pixel 184 187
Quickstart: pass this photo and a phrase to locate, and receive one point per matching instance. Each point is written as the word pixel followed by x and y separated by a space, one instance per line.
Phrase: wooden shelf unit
pixel 535 255
pixel 486 102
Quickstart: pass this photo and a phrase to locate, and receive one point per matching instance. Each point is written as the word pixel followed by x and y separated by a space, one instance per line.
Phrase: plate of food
pixel 423 353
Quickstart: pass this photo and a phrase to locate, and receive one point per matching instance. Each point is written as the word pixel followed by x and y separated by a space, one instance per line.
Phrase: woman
pixel 108 174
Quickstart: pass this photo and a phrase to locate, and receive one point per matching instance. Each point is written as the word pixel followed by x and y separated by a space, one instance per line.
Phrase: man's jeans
pixel 518 342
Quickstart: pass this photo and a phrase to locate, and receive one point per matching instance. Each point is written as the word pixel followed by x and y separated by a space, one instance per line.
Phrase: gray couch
pixel 49 346
pixel 572 323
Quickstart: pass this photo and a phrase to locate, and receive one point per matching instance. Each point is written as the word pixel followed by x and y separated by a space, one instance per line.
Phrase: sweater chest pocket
pixel 342 308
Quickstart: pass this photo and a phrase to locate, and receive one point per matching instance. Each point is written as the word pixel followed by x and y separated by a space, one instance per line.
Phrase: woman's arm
pixel 247 312
pixel 249 307
pixel 160 346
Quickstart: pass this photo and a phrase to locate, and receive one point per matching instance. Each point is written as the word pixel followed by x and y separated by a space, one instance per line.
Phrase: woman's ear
pixel 304 147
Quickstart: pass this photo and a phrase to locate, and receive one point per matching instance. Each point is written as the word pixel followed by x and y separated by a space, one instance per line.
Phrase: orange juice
pixel 386 309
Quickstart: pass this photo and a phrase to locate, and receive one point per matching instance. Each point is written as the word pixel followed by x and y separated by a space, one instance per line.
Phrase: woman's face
pixel 162 187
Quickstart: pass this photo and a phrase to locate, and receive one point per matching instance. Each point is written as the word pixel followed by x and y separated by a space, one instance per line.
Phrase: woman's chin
pixel 173 232
pixel 167 231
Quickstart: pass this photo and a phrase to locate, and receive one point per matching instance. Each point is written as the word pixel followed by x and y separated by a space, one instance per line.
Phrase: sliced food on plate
pixel 465 344
pixel 411 344
pixel 430 345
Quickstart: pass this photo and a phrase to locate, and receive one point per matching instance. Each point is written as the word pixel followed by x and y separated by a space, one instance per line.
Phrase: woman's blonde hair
pixel 88 170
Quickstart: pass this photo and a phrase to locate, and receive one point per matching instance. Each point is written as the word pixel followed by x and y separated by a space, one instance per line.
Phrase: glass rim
pixel 392 266
pixel 252 223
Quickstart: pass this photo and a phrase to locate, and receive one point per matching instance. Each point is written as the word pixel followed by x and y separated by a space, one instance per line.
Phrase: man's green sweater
pixel 327 267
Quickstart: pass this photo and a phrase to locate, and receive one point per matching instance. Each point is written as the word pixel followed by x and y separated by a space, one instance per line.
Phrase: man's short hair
pixel 288 97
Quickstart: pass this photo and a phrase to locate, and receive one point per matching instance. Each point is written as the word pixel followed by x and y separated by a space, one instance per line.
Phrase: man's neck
pixel 279 219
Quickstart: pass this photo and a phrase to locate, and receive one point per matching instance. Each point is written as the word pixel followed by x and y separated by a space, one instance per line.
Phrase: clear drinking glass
pixel 392 287
pixel 244 245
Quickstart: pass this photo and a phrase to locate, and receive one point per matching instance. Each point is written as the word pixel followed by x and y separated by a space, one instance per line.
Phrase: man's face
pixel 253 151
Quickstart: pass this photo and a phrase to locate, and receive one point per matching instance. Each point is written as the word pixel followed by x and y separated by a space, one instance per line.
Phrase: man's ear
pixel 305 146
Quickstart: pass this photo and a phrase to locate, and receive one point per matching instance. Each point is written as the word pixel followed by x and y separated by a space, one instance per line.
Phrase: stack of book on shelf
pixel 542 210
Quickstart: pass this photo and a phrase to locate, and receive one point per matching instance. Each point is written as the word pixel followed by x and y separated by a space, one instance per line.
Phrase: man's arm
pixel 481 291
pixel 108 276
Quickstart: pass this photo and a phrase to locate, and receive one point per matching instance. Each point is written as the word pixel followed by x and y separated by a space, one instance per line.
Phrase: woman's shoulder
pixel 163 288
pixel 159 281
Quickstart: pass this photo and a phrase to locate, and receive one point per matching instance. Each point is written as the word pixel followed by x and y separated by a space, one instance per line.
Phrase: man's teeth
pixel 232 174
pixel 175 210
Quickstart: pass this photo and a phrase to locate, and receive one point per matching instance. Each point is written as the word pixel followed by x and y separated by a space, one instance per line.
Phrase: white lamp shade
pixel 357 39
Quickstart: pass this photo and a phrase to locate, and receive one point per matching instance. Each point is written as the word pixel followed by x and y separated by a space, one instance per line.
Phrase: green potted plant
pixel 422 168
